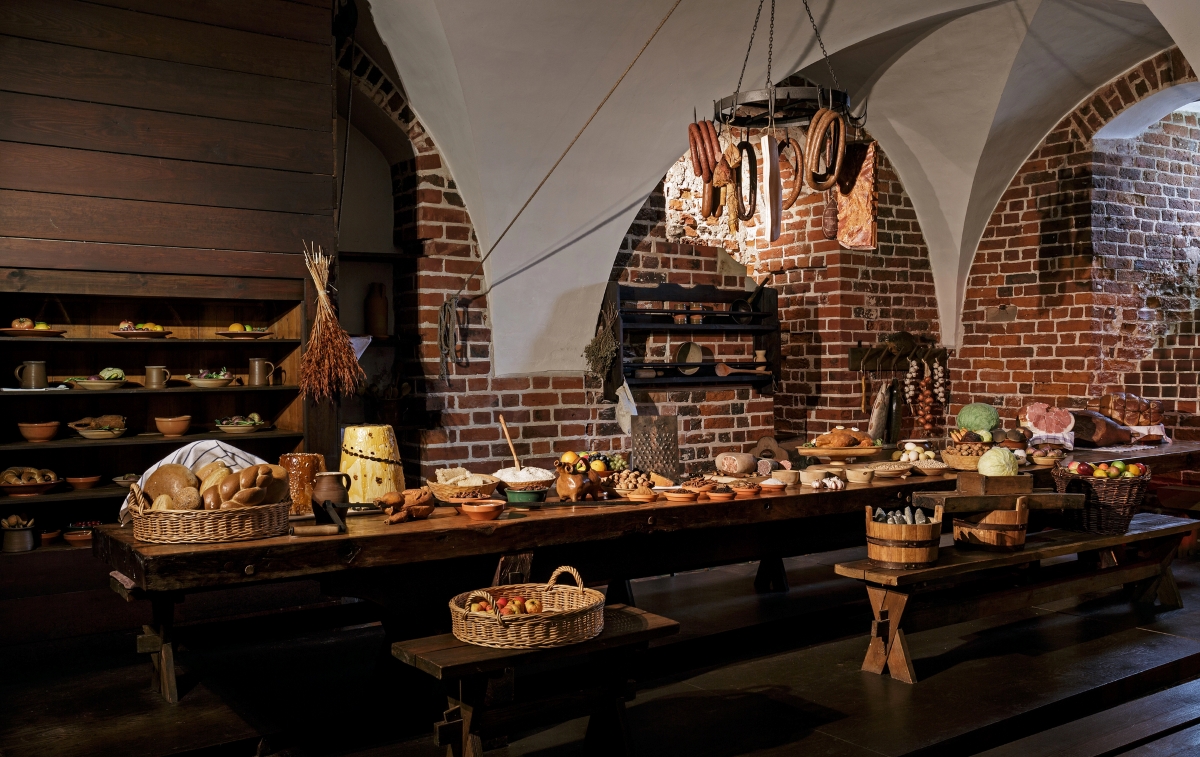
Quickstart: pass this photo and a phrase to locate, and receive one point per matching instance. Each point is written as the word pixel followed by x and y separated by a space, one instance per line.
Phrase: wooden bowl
pixel 83 482
pixel 893 472
pixel 488 509
pixel 680 495
pixel 172 427
pixel 38 432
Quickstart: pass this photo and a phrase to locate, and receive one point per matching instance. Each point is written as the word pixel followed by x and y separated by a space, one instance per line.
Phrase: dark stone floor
pixel 748 674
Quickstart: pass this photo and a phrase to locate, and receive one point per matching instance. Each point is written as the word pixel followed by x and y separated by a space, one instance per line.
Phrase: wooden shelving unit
pixel 635 325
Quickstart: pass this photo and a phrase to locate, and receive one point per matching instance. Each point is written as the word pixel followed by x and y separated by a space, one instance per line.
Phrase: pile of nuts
pixel 630 478
pixel 968 449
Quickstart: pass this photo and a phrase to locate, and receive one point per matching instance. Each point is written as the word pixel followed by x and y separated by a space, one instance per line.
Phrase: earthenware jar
pixel 302 468
pixel 332 487
pixel 31 374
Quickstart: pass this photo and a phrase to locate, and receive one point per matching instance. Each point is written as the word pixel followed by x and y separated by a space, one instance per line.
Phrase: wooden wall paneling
pixel 97 27
pixel 42 68
pixel 56 122
pixel 36 168
pixel 148 285
pixel 291 325
pixel 277 18
pixel 95 219
pixel 93 256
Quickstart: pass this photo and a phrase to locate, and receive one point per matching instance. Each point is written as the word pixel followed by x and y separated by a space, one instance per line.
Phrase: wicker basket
pixel 1111 502
pixel 446 492
pixel 570 614
pixel 960 462
pixel 532 486
pixel 206 526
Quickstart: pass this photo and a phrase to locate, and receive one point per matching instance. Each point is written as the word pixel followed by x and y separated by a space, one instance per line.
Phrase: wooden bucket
pixel 903 547
pixel 998 530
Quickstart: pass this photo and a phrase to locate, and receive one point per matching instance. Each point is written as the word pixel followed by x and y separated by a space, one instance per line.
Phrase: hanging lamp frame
pixel 794 106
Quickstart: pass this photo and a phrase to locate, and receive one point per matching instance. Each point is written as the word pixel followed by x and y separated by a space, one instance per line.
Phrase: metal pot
pixel 18 539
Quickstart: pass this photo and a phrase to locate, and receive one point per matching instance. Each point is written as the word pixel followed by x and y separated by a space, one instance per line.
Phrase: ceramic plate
pixel 96 433
pixel 141 334
pixel 27 490
pixel 209 383
pixel 242 429
pixel 245 334
pixel 100 386
pixel 32 333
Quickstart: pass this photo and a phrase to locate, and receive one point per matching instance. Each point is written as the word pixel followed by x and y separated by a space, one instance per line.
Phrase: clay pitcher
pixel 332 486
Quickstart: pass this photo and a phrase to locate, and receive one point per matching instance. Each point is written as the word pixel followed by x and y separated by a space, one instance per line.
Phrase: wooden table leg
pixel 161 635
pixel 463 719
pixel 771 576
pixel 608 729
pixel 888 649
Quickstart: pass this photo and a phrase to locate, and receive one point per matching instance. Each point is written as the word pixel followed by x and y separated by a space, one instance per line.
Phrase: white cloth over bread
pixel 193 456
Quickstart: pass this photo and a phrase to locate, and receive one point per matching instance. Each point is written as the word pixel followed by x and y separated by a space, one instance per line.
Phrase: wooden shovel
pixel 511 448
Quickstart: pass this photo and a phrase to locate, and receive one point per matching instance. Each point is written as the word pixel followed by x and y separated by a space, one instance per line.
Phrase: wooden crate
pixel 971 482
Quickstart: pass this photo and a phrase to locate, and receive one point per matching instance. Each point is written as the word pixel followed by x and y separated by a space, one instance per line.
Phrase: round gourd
pixel 997 461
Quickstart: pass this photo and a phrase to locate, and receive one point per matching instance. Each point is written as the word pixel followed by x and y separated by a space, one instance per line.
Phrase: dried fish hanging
pixel 328 366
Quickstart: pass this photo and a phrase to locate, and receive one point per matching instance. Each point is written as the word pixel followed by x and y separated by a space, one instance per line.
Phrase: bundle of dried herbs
pixel 601 351
pixel 328 366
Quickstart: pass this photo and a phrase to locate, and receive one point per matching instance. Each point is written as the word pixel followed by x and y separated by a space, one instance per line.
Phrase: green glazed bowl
pixel 533 496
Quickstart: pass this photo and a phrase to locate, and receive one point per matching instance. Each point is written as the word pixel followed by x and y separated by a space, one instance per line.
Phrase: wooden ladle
pixel 511 448
pixel 725 370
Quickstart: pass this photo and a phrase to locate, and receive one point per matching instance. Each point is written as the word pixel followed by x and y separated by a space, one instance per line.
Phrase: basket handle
pixel 137 504
pixel 481 594
pixel 565 569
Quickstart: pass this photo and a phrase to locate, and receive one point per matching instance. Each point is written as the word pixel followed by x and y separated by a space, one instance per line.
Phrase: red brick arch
pixel 1056 301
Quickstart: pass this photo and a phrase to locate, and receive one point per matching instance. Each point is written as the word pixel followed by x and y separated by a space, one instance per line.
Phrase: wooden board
pixel 445 657
pixel 147 285
pixel 56 170
pixel 953 502
pixel 43 68
pixel 971 482
pixel 445 535
pixel 52 121
pixel 1040 546
pixel 277 18
pixel 157 37
pixel 65 255
pixel 95 219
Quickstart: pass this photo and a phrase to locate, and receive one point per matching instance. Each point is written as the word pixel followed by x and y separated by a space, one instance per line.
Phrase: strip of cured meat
pixel 1044 419
pixel 857 206
pixel 1096 430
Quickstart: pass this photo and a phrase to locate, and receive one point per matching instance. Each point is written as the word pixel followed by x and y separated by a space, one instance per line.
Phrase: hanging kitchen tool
pixel 747 305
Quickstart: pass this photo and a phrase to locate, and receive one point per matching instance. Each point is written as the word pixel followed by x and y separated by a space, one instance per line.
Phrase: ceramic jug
pixel 329 486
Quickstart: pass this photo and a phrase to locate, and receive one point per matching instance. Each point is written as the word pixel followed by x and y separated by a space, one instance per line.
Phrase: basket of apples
pixel 529 616
pixel 1114 490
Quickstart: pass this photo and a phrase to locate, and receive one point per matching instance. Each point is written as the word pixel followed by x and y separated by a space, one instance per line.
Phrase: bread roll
pixel 247 477
pixel 248 497
pixel 163 502
pixel 277 487
pixel 188 499
pixel 203 471
pixel 170 479
pixel 229 487
pixel 217 472
pixel 212 498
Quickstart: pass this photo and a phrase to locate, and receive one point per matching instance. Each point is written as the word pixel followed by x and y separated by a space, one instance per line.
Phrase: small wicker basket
pixel 206 526
pixel 570 614
pixel 446 492
pixel 960 462
pixel 1111 502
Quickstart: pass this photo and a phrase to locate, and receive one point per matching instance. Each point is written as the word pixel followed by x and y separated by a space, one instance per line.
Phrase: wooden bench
pixel 474 717
pixel 968 584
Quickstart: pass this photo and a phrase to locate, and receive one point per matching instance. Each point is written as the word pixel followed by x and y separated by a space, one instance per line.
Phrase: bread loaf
pixel 1130 410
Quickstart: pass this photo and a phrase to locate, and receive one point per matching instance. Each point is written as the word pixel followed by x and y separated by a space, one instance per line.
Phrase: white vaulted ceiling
pixel 959 93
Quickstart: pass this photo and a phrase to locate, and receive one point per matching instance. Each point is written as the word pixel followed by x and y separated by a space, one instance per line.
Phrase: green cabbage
pixel 997 461
pixel 985 435
pixel 978 417
pixel 112 374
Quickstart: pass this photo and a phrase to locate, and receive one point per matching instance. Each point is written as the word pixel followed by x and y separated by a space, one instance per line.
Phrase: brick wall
pixel 1091 252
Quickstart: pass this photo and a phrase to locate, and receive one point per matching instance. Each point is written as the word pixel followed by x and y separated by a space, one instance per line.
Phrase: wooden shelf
pixel 694 381
pixel 78 393
pixel 735 328
pixel 109 491
pixel 58 545
pixel 129 441
pixel 115 340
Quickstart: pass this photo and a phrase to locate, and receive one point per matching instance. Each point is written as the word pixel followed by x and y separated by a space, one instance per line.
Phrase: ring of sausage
pixel 797 174
pixel 751 161
pixel 826 126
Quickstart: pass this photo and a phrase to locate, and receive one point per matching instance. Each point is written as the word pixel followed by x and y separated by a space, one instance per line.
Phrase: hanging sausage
pixel 826 133
pixel 797 172
pixel 746 150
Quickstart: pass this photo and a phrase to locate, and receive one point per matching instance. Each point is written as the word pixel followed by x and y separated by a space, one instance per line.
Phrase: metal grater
pixel 656 444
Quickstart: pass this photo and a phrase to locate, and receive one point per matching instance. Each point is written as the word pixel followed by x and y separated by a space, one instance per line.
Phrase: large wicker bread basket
pixel 206 526
pixel 570 614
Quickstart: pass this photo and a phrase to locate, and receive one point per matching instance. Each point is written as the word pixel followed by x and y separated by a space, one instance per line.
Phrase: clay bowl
pixel 720 496
pixel 38 432
pixel 652 497
pixel 860 475
pixel 772 488
pixel 100 385
pixel 172 427
pixel 698 488
pixel 744 493
pixel 83 482
pixel 680 495
pixel 80 538
pixel 27 490
pixel 126 482
pixel 488 509
pixel 789 477
pixel 49 536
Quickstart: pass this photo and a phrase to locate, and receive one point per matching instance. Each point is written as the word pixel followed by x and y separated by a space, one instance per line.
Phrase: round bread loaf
pixel 170 479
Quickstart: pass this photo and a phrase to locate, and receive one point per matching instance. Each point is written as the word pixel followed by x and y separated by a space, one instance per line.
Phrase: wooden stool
pixel 466 669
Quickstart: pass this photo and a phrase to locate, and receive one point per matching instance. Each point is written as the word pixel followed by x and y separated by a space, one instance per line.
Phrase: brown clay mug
pixel 31 374
pixel 157 376
pixel 302 468
pixel 260 372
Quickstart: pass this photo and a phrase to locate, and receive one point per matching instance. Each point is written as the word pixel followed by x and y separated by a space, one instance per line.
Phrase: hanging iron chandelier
pixel 782 106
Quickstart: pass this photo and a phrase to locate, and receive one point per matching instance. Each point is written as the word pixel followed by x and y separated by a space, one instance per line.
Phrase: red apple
pixel 1084 469
pixel 501 602
pixel 1074 466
